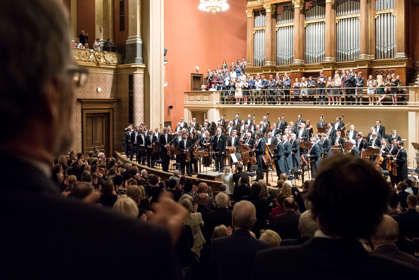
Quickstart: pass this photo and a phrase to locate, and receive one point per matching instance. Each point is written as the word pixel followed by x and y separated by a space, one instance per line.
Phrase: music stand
pixel 321 130
pixel 371 153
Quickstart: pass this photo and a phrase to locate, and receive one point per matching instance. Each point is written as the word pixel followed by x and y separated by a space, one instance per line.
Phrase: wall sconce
pixel 99 90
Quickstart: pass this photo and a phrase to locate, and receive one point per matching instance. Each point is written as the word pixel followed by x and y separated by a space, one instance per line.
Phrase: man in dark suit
pixel 259 152
pixel 394 136
pixel 374 142
pixel 51 236
pixel 286 224
pixel 184 147
pixel 342 182
pixel 233 257
pixel 351 133
pixel 360 142
pixel 219 148
pixel 164 141
pixel 141 147
pixel 321 123
pixel 237 121
pixel 379 129
pixel 315 156
pixel 129 147
pixel 401 160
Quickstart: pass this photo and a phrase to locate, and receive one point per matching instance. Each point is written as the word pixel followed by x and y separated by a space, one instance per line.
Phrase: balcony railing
pixel 90 57
pixel 397 96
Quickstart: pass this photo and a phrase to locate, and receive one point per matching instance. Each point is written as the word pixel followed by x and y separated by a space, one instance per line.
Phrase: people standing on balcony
pixel 337 84
pixel 359 83
pixel 380 89
pixel 321 84
pixel 394 83
pixel 296 90
pixel 304 91
pixel 330 92
pixel 372 85
pixel 287 86
pixel 83 37
pixel 238 93
pixel 311 84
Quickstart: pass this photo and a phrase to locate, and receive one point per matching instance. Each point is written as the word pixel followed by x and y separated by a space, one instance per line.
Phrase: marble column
pixel 330 32
pixel 134 44
pixel 250 26
pixel 138 96
pixel 364 30
pixel 401 28
pixel 298 27
pixel 268 33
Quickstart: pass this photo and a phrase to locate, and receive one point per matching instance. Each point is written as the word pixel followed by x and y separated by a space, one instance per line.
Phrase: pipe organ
pixel 315 34
pixel 285 36
pixel 259 39
pixel 385 29
pixel 284 33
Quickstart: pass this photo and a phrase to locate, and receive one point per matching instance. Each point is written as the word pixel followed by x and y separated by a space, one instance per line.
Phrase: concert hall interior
pixel 209 139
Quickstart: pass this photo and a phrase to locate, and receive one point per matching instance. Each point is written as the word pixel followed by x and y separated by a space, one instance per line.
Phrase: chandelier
pixel 213 6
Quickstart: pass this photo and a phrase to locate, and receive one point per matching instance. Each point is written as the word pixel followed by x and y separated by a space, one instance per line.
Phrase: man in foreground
pixel 349 198
pixel 45 236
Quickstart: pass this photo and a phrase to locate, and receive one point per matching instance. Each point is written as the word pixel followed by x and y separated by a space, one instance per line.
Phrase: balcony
pixel 92 58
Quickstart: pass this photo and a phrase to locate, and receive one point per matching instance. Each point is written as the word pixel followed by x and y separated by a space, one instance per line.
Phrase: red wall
pixel 195 38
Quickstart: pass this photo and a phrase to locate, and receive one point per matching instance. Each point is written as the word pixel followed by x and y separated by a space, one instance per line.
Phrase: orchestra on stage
pixel 291 147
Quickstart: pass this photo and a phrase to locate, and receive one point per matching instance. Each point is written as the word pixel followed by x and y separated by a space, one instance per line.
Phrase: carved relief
pixel 96 58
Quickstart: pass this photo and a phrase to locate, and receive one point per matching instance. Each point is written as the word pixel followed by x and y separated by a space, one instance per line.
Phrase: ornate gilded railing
pixel 89 57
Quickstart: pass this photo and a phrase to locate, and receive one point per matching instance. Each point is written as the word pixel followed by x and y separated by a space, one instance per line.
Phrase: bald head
pixel 244 215
pixel 387 231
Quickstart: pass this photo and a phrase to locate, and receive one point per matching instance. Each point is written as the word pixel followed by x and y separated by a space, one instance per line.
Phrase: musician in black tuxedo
pixel 394 136
pixel 279 157
pixel 45 235
pixel 219 148
pixel 234 141
pixel 326 145
pixel 182 123
pixel 129 145
pixel 315 155
pixel 164 141
pixel 299 120
pixel 184 147
pixel 338 141
pixel 302 133
pixel 351 132
pixel 249 121
pixel 342 182
pixel 339 124
pixel 360 142
pixel 287 153
pixel 354 149
pixel 374 142
pixel 321 123
pixel 295 154
pixel 141 147
pixel 283 124
pixel 237 121
pixel 259 152
pixel 149 146
pixel 379 129
pixel 401 161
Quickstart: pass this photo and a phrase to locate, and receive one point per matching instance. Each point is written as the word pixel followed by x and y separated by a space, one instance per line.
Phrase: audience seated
pixel 232 257
pixel 384 242
pixel 220 216
pixel 271 238
pixel 349 198
pixel 409 220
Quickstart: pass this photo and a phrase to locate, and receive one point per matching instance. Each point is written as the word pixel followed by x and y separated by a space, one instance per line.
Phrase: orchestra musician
pixel 374 142
pixel 141 147
pixel 321 123
pixel 279 157
pixel 338 141
pixel 391 156
pixel 177 142
pixel 295 155
pixel 302 132
pixel 184 146
pixel 351 133
pixel 237 121
pixel 164 141
pixel 287 153
pixel 155 147
pixel 229 128
pixel 205 143
pixel 401 163
pixel 354 149
pixel 193 161
pixel 326 145
pixel 259 152
pixel 149 146
pixel 360 142
pixel 339 124
pixel 379 129
pixel 314 155
pixel 129 147
pixel 219 146
pixel 394 136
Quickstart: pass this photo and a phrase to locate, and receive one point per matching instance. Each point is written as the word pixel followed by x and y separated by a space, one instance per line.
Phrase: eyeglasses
pixel 79 74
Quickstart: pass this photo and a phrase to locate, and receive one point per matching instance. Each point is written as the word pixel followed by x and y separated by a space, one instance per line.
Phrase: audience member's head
pixel 244 215
pixel 133 192
pixel 349 197
pixel 81 190
pixel 126 206
pixel 187 203
pixel 387 232
pixel 221 200
pixel 412 201
pixel 118 180
pixel 203 199
pixel 219 232
pixel 271 238
pixel 307 225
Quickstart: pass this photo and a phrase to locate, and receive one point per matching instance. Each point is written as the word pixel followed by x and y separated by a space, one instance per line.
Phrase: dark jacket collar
pixel 18 174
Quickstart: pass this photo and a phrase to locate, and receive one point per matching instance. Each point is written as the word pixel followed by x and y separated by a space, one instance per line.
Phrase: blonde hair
pixel 220 231
pixel 271 238
pixel 126 206
pixel 133 192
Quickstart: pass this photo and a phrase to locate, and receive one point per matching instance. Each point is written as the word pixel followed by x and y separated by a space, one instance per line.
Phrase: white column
pixel 187 116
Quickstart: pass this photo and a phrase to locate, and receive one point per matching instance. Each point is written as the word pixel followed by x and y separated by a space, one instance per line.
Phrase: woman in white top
pixel 239 94
pixel 337 92
pixel 303 86
pixel 195 222
pixel 371 90
pixel 330 84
